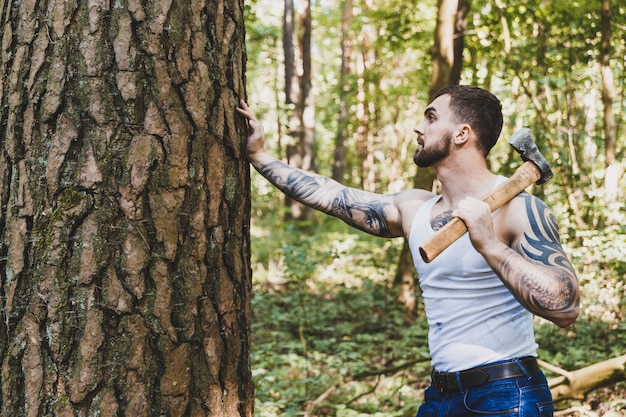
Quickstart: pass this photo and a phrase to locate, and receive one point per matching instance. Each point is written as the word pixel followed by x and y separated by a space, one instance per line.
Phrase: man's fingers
pixel 245 111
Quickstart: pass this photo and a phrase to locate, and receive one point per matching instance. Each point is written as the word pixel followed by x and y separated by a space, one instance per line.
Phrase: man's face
pixel 434 133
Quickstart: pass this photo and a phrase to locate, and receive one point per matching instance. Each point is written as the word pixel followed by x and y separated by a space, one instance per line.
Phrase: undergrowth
pixel 331 339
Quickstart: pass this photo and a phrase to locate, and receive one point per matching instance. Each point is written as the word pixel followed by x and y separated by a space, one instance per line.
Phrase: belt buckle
pixel 439 381
pixel 440 386
pixel 444 381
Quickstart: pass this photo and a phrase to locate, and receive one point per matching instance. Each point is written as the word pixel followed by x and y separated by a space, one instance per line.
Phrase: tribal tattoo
pixel 545 246
pixel 552 294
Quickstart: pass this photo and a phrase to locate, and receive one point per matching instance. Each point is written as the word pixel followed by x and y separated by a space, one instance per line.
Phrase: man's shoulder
pixel 412 197
pixel 408 202
pixel 524 201
pixel 518 215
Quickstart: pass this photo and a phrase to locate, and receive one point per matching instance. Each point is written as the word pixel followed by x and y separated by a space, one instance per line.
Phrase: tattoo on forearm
pixel 295 183
pixel 347 205
pixel 368 216
pixel 554 292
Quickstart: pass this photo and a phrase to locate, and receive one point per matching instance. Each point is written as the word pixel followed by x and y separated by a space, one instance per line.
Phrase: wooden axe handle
pixel 523 177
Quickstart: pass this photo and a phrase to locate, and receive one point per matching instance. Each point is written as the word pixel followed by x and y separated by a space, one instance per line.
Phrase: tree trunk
pixel 447 56
pixel 443 50
pixel 458 43
pixel 289 44
pixel 365 112
pixel 608 94
pixel 298 94
pixel 340 153
pixel 124 255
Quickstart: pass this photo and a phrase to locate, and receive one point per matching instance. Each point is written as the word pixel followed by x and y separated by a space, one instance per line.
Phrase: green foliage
pixel 306 344
pixel 586 342
pixel 334 324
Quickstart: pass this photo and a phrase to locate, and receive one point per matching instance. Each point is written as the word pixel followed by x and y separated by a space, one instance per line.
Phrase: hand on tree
pixel 256 135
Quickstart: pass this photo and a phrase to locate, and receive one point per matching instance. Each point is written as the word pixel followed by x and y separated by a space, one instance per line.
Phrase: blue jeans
pixel 524 396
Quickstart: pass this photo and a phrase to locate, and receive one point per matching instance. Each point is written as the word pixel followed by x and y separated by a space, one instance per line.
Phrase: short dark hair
pixel 480 109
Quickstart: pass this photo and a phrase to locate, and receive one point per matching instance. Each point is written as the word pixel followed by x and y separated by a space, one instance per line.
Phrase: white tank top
pixel 473 318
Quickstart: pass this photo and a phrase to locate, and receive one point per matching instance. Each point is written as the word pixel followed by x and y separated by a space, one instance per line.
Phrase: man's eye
pixel 372 223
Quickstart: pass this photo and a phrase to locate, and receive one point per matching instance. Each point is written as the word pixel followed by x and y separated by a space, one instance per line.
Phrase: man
pixel 481 292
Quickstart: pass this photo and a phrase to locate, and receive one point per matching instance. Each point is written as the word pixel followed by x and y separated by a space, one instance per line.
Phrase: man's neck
pixel 458 184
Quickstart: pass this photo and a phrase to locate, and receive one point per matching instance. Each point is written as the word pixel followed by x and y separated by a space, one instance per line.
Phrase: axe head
pixel 522 141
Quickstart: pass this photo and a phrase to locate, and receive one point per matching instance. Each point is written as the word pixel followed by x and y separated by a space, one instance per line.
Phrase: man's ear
pixel 462 135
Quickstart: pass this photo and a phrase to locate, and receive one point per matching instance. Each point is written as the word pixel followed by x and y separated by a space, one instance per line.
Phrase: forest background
pixel 334 331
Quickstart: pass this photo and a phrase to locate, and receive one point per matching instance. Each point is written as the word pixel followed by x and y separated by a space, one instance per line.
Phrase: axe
pixel 534 169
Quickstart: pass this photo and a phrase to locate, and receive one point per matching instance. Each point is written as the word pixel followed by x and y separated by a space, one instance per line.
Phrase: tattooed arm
pixel 373 213
pixel 524 250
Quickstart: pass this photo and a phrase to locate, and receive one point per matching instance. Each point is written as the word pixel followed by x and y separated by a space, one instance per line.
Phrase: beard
pixel 427 157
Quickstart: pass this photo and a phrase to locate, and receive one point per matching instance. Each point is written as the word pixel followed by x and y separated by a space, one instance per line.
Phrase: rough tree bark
pixel 124 243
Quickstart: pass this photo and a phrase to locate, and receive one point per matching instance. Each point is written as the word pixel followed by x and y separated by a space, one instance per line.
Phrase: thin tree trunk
pixel 459 41
pixel 608 94
pixel 363 120
pixel 364 116
pixel 298 93
pixel 292 88
pixel 124 246
pixel 443 50
pixel 340 154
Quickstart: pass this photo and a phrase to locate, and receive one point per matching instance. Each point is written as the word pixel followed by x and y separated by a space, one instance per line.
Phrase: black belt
pixel 451 382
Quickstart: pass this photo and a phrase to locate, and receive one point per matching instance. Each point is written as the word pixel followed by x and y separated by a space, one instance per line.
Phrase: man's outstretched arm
pixel 373 213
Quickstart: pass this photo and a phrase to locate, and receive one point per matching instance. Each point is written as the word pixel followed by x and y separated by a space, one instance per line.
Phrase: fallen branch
pixel 577 384
pixel 310 409
pixel 555 369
